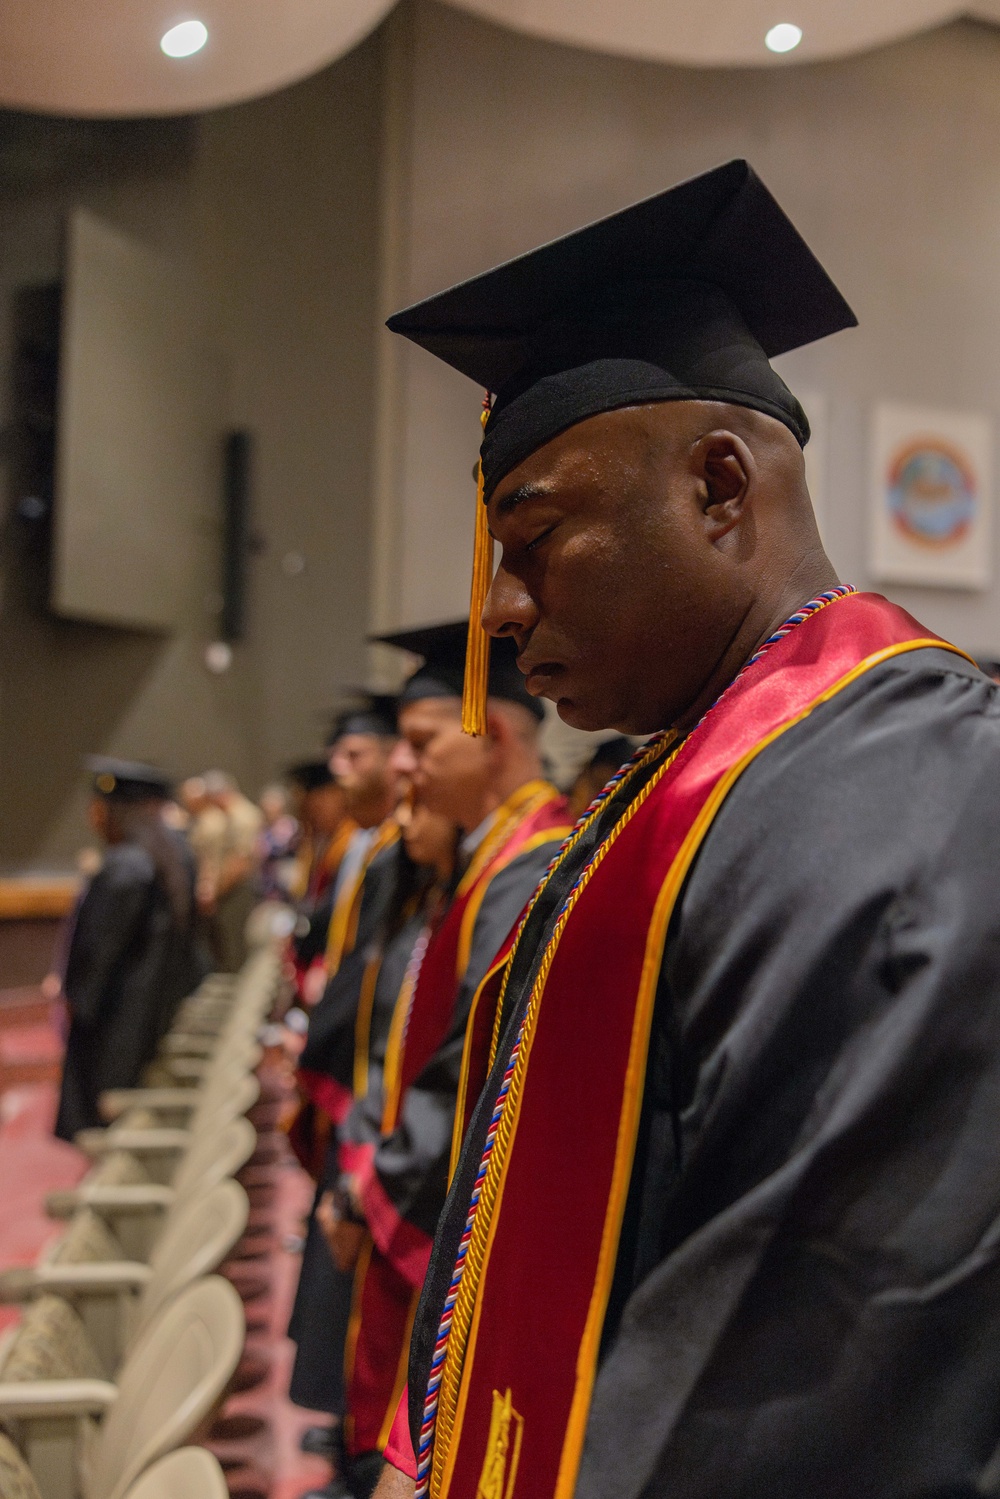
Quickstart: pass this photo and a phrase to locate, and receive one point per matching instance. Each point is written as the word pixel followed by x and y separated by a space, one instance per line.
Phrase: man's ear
pixel 725 469
pixel 498 729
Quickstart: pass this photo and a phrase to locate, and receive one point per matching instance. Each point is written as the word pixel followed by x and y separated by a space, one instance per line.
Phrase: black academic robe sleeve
pixel 111 914
pixel 412 1162
pixel 330 1039
pixel 310 943
pixel 129 964
pixel 816 1270
pixel 363 1125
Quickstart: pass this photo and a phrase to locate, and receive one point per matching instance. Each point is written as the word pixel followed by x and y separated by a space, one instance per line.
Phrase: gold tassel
pixel 477 652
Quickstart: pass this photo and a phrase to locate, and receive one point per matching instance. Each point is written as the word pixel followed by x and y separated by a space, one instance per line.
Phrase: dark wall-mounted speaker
pixel 236 533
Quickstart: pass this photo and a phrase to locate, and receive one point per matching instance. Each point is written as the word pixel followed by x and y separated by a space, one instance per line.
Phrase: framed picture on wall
pixel 931 497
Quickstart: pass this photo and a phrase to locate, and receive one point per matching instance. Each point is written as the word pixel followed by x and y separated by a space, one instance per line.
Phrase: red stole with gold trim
pixel 389 1276
pixel 517 1350
pixel 534 814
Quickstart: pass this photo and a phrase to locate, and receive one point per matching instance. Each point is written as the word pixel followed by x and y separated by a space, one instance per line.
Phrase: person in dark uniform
pixel 361 742
pixel 133 954
pixel 513 821
pixel 726 1219
pixel 326 832
pixel 424 865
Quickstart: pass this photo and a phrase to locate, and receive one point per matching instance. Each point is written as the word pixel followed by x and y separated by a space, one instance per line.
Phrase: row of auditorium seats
pixel 129 1341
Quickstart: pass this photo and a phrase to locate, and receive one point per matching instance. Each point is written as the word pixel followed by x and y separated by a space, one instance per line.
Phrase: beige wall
pixel 289 199
pixel 491 142
pixel 272 206
pixel 888 163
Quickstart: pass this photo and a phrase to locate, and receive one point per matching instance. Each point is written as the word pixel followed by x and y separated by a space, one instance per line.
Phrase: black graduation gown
pixel 363 1125
pixel 329 1044
pixel 807 1290
pixel 412 1162
pixel 318 1324
pixel 127 969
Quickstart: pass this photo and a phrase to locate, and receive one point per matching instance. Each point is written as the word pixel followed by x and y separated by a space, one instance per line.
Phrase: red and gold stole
pixel 516 1354
pixel 318 860
pixel 391 1271
pixel 533 815
pixel 326 1099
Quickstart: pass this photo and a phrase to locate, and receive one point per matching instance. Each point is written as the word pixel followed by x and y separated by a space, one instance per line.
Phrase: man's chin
pixel 436 800
pixel 580 715
pixel 614 717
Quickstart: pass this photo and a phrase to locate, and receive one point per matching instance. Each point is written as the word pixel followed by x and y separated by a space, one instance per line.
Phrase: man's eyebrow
pixel 517 496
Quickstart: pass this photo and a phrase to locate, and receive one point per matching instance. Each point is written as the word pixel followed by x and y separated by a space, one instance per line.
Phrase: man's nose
pixel 402 760
pixel 510 609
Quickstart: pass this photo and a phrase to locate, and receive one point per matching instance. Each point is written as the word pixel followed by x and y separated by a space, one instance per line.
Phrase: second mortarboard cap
pixel 366 713
pixel 443 670
pixel 127 780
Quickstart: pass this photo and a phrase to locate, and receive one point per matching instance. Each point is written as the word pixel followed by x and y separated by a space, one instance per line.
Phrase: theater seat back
pixel 171 1381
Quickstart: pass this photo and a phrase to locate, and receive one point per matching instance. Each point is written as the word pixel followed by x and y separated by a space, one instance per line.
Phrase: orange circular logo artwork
pixel 932 493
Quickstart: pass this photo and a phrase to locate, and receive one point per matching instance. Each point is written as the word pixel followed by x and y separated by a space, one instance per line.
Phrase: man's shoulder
pixel 928 692
pixel 522 873
pixel 127 864
pixel 883 772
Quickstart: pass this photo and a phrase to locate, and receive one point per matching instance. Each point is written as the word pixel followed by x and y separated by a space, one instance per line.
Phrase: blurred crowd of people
pixel 405 851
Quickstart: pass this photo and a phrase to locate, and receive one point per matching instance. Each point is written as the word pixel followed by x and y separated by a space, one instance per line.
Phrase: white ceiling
pixel 102 57
pixel 725 33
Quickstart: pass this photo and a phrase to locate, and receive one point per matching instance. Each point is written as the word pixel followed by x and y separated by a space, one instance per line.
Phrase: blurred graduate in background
pixel 133 952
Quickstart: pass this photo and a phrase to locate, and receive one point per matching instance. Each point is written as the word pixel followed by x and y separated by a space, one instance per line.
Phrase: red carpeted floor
pixel 32 1164
pixel 257 1437
pixel 258 1432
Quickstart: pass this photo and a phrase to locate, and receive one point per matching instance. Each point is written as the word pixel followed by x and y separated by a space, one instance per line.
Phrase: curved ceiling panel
pixel 102 57
pixel 724 33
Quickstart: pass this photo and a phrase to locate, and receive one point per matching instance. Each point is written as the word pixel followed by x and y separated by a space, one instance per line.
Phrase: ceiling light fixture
pixel 184 40
pixel 783 37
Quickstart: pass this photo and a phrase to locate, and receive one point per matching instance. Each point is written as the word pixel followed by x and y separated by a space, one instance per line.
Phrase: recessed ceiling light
pixel 184 40
pixel 783 37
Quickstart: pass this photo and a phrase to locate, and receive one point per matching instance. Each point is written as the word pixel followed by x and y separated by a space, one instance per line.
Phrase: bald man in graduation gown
pixel 726 1218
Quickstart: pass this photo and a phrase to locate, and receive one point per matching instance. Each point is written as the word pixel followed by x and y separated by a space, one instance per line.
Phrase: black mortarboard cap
pixel 365 713
pixel 127 780
pixel 441 675
pixel 684 296
pixel 310 774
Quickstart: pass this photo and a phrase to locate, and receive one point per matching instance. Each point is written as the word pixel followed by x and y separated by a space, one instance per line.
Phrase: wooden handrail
pixel 38 898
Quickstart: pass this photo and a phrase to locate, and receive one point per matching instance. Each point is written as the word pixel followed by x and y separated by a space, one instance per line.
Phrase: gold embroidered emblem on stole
pixel 503 1450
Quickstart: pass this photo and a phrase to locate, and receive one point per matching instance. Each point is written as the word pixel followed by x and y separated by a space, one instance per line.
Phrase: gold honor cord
pixel 475 688
pixel 449 1412
pixel 462 1337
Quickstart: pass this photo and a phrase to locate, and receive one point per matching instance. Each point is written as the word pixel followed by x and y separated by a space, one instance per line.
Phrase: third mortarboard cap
pixel 365 713
pixel 127 780
pixel 684 296
pixel 310 774
pixel 443 649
